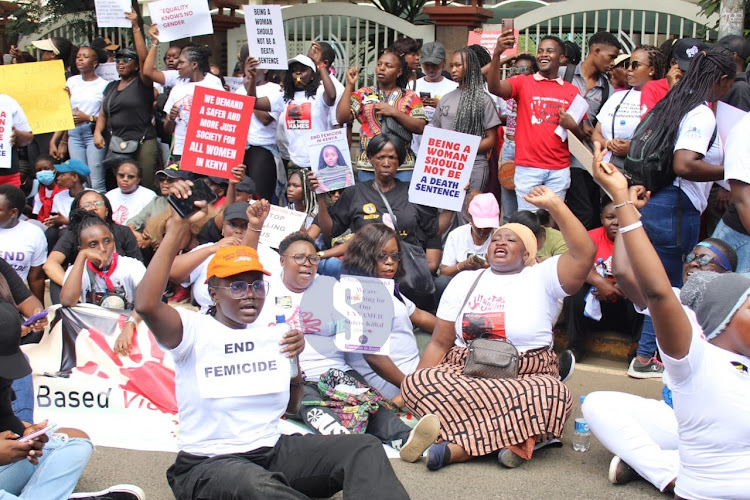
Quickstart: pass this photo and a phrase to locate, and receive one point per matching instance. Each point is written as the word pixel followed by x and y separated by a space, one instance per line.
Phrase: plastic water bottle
pixel 581 434
pixel 294 362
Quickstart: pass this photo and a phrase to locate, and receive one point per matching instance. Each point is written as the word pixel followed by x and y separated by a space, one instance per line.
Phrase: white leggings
pixel 642 432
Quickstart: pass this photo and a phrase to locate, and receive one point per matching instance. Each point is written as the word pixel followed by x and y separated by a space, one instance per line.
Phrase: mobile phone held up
pixel 185 207
pixel 507 24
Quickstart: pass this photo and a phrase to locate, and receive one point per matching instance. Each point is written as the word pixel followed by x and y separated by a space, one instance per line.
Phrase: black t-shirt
pixel 361 204
pixel 129 111
pixel 125 244
pixel 209 233
pixel 739 94
pixel 18 288
pixel 8 419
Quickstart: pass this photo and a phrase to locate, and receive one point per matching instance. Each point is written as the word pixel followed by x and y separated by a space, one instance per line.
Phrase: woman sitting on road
pixel 515 299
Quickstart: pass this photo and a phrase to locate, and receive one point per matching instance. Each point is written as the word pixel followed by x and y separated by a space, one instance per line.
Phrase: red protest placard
pixel 488 40
pixel 217 132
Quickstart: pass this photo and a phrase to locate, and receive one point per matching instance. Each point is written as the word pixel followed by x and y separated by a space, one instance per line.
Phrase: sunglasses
pixel 125 59
pixel 126 176
pixel 520 69
pixel 300 258
pixel 383 257
pixel 91 204
pixel 634 65
pixel 238 289
pixel 703 260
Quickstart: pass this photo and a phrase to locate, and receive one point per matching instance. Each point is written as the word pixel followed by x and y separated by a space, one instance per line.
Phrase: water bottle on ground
pixel 293 362
pixel 581 434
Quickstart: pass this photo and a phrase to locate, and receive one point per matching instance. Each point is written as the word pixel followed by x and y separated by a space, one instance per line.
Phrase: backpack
pixel 649 159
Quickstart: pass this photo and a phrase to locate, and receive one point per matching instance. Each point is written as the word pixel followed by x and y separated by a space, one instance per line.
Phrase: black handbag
pixel 418 279
pixel 119 149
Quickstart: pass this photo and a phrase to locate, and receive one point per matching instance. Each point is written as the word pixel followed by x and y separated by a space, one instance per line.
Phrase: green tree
pixel 411 10
pixel 31 16
pixel 710 7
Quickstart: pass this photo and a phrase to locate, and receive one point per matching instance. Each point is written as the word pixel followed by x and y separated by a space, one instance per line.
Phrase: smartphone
pixel 507 24
pixel 185 207
pixel 34 435
pixel 34 318
pixel 18 40
pixel 425 95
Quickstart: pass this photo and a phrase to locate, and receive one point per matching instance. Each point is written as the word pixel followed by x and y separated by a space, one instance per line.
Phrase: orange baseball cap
pixel 229 261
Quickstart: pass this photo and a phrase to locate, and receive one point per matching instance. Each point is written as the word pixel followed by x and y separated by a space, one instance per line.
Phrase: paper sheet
pixel 578 109
pixel 727 117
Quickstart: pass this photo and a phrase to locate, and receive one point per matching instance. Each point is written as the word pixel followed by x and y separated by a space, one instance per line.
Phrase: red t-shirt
pixel 653 92
pixel 539 102
pixel 604 246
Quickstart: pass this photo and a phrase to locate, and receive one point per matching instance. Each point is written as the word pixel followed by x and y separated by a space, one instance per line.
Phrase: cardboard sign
pixel 6 126
pixel 265 35
pixel 39 88
pixel 331 160
pixel 280 223
pixel 488 40
pixel 364 303
pixel 178 19
pixel 107 71
pixel 111 13
pixel 216 132
pixel 234 82
pixel 443 168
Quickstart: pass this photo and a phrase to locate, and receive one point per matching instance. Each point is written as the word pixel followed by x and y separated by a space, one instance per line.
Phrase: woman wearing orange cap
pixel 233 384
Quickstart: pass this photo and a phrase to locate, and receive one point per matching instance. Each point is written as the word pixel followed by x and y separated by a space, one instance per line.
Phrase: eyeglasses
pixel 703 260
pixel 520 69
pixel 166 179
pixel 634 65
pixel 125 59
pixel 126 176
pixel 91 204
pixel 239 289
pixel 300 258
pixel 395 256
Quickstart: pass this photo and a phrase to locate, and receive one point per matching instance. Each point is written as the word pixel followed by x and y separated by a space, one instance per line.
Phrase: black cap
pixel 221 181
pixel 246 186
pixel 13 364
pixel 173 172
pixel 236 211
pixel 127 53
pixel 686 49
pixel 737 44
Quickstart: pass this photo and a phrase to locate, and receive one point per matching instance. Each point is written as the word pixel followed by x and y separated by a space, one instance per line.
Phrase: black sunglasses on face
pixel 395 256
pixel 125 59
pixel 634 65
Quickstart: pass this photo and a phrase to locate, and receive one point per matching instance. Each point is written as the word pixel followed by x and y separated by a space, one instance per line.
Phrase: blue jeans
pixel 23 406
pixel 668 210
pixel 403 176
pixel 738 241
pixel 55 477
pixel 81 147
pixel 508 196
pixel 527 178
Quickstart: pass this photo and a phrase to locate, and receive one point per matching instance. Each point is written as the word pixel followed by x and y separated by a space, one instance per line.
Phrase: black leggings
pixel 261 168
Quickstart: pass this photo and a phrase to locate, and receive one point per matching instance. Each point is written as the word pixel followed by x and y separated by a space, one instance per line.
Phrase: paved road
pixel 551 474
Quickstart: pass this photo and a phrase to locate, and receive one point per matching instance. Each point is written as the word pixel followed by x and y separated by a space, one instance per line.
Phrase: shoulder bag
pixel 489 358
pixel 418 279
pixel 118 148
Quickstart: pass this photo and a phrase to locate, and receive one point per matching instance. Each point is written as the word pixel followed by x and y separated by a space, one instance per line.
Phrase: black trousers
pixel 619 316
pixel 297 467
pixel 261 168
pixel 584 198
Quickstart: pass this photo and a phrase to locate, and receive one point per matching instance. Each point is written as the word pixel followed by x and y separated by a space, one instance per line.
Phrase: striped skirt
pixel 486 415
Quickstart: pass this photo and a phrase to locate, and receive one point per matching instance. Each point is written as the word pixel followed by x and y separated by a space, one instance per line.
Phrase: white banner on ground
pixel 443 168
pixel 111 13
pixel 280 223
pixel 265 35
pixel 178 19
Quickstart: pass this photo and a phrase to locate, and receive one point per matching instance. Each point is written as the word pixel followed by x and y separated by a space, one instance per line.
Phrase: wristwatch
pixel 92 118
pixel 320 254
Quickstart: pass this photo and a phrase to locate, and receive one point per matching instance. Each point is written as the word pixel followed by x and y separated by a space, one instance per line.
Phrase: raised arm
pixel 344 110
pixel 261 103
pixel 673 330
pixel 329 96
pixel 256 217
pixel 70 294
pixel 575 264
pixel 621 266
pixel 495 84
pixel 149 62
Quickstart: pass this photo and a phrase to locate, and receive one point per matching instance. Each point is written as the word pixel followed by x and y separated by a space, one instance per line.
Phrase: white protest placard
pixel 111 13
pixel 367 318
pixel 107 71
pixel 234 82
pixel 178 19
pixel 331 160
pixel 727 117
pixel 443 168
pixel 280 223
pixel 6 148
pixel 578 109
pixel 265 35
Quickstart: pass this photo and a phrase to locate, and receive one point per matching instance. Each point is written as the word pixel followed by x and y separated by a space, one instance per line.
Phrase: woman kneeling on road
pixel 230 443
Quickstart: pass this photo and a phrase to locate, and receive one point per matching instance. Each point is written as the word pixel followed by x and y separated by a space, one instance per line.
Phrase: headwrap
pixel 721 257
pixel 527 237
pixel 715 298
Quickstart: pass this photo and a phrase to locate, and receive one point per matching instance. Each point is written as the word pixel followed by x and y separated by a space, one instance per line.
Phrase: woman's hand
pixel 99 140
pixel 133 18
pixel 95 256
pixel 251 67
pixel 229 241
pixel 619 147
pixel 352 75
pixel 608 292
pixel 542 197
pixel 398 400
pixel 238 174
pixel 293 342
pixel 639 196
pixel 12 450
pixel 53 152
pixel 124 341
pixel 384 109
pixel 504 42
pixel 55 220
pixel 312 180
pixel 315 53
pixel 674 75
pixel 80 117
pixel 153 32
pixel 612 181
pixel 141 239
pixel 257 213
pixel 38 326
pixel 174 113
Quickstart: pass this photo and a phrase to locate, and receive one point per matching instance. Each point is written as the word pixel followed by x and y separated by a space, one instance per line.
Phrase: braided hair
pixel 290 89
pixel 693 89
pixel 200 56
pixel 81 219
pixel 482 54
pixel 308 195
pixel 470 113
pixel 656 60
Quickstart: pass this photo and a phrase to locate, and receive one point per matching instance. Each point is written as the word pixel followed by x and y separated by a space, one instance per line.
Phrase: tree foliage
pixel 31 16
pixel 411 10
pixel 711 7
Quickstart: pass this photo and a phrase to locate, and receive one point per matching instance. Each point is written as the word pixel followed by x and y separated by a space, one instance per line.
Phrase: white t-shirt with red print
pixel 126 206
pixel 182 97
pixel 518 307
pixel 302 117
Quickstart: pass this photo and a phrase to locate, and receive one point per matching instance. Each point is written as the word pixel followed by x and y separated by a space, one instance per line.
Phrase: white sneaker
pixel 420 438
pixel 116 492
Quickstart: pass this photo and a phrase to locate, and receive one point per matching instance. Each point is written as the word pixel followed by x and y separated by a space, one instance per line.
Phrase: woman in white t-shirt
pixel 710 380
pixel 515 300
pixel 234 385
pixel 621 114
pixel 86 94
pixel 129 198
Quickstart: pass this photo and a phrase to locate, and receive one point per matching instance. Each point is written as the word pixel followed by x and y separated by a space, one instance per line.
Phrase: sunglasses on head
pixel 125 59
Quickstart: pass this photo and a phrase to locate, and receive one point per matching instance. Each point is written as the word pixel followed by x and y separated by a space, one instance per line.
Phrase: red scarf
pixel 105 275
pixel 44 212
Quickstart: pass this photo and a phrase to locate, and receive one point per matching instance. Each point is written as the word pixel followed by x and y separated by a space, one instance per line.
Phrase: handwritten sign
pixel 107 71
pixel 111 13
pixel 280 223
pixel 234 82
pixel 265 35
pixel 488 40
pixel 443 168
pixel 6 124
pixel 39 89
pixel 216 132
pixel 367 310
pixel 331 160
pixel 178 19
